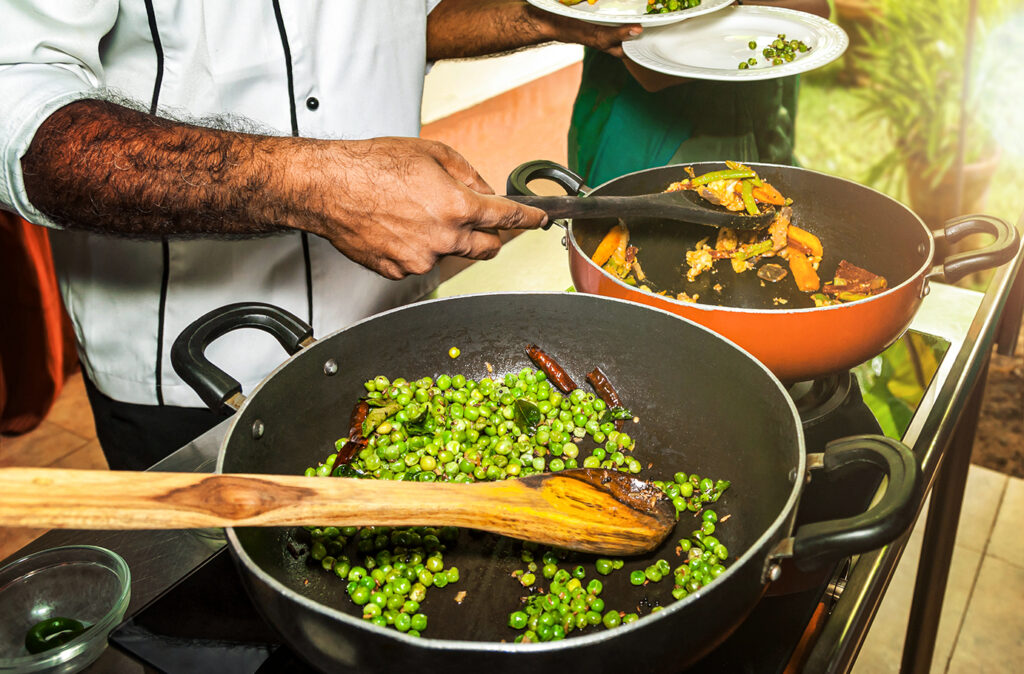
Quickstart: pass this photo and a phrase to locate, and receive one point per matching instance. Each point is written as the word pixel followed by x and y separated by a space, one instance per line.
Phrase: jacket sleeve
pixel 49 57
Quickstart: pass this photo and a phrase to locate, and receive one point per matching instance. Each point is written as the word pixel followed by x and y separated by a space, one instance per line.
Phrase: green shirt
pixel 618 127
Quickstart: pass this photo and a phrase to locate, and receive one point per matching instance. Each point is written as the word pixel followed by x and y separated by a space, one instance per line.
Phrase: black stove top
pixel 207 623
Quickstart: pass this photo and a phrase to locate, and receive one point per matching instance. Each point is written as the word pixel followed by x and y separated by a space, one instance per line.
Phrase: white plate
pixel 711 47
pixel 626 11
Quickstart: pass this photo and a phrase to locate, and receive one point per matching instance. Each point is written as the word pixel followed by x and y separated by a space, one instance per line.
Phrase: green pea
pixel 612 618
pixel 360 595
pixel 637 577
pixel 517 620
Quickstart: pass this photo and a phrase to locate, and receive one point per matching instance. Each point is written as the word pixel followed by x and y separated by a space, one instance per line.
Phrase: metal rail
pixel 942 440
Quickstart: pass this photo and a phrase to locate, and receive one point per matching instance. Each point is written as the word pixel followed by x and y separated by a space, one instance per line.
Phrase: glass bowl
pixel 83 582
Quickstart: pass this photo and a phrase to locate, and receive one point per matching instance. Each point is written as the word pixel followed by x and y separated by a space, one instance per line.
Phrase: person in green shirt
pixel 627 118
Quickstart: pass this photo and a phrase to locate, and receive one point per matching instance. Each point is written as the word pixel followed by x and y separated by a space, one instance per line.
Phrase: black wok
pixel 704 406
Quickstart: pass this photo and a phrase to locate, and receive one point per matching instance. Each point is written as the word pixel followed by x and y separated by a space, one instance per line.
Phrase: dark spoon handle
pixel 665 205
pixel 604 207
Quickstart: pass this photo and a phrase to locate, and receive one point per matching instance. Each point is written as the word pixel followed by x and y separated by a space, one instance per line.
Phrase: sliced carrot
pixel 767 194
pixel 616 238
pixel 793 244
pixel 806 240
pixel 803 272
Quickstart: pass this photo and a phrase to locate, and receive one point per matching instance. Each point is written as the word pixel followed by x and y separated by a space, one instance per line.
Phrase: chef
pixel 191 154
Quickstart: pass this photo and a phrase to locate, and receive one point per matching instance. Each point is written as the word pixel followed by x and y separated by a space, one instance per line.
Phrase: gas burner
pixel 818 398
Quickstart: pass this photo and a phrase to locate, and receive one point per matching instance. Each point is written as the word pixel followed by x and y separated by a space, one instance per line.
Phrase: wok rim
pixel 435 644
pixel 912 280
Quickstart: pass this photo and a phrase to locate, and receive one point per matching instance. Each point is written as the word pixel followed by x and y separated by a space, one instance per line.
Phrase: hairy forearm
pixel 102 167
pixel 468 28
pixel 394 205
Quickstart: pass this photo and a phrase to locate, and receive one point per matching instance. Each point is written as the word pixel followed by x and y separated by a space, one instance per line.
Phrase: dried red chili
pixel 356 442
pixel 599 380
pixel 552 369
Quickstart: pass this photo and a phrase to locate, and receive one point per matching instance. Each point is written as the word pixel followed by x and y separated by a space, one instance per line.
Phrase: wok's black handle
pixel 821 542
pixel 1000 251
pixel 518 181
pixel 188 355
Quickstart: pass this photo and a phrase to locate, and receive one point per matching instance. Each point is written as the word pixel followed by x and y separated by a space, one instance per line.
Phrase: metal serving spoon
pixel 591 510
pixel 684 205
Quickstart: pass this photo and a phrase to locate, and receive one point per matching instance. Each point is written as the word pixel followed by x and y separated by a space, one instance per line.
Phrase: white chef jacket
pixel 348 69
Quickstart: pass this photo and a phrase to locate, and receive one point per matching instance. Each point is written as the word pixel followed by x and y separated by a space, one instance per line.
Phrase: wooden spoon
pixel 684 205
pixel 590 510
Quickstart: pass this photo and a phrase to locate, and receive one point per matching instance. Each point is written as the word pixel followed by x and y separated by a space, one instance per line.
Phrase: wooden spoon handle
pixel 594 511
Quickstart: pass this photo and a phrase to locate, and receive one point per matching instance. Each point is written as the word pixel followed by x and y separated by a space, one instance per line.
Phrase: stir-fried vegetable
pixel 613 242
pixel 571 602
pixel 665 6
pixel 804 241
pixel 452 428
pixel 803 272
pixel 779 51
pixel 738 187
pixel 653 6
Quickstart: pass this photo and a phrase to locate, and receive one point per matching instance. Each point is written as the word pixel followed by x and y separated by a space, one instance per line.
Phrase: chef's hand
pixel 604 38
pixel 398 205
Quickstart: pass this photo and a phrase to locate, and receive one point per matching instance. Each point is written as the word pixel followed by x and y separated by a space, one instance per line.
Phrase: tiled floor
pixel 66 439
pixel 982 624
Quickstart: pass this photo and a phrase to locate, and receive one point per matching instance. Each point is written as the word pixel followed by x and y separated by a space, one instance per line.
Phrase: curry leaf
pixel 527 415
pixel 421 422
pixel 377 416
pixel 616 414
